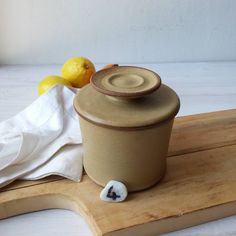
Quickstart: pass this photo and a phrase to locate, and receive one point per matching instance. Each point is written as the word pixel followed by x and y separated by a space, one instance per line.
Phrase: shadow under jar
pixel 126 118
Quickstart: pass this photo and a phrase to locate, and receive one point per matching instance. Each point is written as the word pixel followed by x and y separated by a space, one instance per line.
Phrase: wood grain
pixel 203 131
pixel 200 185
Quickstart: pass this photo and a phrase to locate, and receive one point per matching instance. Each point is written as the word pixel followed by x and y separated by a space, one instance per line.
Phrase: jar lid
pixel 126 97
pixel 125 81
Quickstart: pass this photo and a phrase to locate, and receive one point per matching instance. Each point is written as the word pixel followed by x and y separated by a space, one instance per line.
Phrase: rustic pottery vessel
pixel 126 117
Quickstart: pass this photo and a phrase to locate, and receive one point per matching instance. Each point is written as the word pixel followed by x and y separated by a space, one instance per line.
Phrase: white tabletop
pixel 202 87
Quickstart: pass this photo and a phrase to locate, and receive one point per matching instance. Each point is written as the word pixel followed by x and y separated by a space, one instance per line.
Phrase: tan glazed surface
pixel 136 158
pixel 126 81
pixel 126 117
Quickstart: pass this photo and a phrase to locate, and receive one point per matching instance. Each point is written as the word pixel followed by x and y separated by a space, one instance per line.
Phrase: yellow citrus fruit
pixel 78 71
pixel 51 81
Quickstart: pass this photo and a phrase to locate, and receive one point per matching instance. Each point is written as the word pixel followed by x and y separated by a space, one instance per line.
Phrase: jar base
pixel 132 189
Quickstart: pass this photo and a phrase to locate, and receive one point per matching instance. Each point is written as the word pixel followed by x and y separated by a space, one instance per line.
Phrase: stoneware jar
pixel 126 117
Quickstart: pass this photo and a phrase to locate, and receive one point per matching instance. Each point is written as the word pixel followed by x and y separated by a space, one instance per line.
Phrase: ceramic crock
pixel 126 117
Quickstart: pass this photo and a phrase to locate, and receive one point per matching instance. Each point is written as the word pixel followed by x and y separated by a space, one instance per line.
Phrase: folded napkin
pixel 44 139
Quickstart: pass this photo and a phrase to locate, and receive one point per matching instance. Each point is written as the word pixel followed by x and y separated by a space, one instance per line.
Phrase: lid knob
pixel 126 81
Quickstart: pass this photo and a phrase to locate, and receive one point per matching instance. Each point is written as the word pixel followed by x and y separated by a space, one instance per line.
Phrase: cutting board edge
pixel 153 228
pixel 47 201
pixel 150 228
pixel 195 218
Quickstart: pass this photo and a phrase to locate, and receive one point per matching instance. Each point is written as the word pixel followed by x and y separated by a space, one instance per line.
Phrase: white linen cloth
pixel 44 139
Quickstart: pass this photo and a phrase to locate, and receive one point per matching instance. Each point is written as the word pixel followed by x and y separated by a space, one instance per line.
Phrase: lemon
pixel 51 81
pixel 78 71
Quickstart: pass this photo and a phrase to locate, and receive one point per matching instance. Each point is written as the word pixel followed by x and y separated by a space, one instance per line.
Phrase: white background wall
pixel 122 31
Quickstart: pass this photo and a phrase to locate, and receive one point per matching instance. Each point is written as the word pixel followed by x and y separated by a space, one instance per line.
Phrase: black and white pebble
pixel 114 191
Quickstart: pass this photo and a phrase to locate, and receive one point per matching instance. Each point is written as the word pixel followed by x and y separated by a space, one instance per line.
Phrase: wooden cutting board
pixel 200 185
